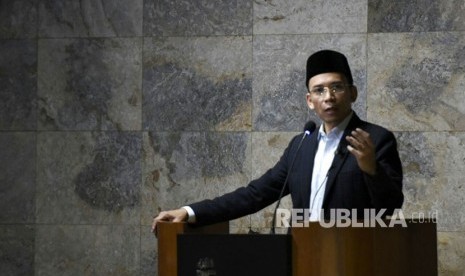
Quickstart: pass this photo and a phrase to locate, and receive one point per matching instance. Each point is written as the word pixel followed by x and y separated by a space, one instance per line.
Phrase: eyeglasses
pixel 335 88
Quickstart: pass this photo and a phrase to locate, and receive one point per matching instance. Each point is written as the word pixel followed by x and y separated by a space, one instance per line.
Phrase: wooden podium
pixel 167 234
pixel 316 250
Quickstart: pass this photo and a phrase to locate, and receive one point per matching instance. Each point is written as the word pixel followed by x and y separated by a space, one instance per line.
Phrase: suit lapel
pixel 340 157
pixel 338 161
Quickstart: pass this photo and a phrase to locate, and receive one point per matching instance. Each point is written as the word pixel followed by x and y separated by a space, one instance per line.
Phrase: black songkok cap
pixel 328 61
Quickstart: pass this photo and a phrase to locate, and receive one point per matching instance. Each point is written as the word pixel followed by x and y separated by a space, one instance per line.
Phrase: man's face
pixel 331 97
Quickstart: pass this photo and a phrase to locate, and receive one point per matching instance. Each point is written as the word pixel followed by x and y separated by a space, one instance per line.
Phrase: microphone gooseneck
pixel 308 129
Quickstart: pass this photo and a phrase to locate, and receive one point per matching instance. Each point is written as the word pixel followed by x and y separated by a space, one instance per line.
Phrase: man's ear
pixel 310 102
pixel 353 93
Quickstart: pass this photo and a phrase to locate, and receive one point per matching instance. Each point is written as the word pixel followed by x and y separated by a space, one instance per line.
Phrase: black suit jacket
pixel 347 186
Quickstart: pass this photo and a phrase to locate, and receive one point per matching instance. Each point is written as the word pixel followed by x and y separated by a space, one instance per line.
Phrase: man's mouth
pixel 330 109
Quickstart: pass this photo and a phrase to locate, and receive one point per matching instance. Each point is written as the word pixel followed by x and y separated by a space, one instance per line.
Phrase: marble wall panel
pixel 18 84
pixel 17 177
pixel 279 88
pixel 87 178
pixel 415 16
pixel 182 168
pixel 433 176
pixel 451 253
pixel 197 84
pixel 223 87
pixel 87 250
pixel 148 252
pixel 90 84
pixel 17 249
pixel 310 17
pixel 267 149
pixel 18 19
pixel 87 18
pixel 416 81
pixel 197 18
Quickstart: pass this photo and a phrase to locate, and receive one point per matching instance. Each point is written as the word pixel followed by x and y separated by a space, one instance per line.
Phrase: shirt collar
pixel 337 131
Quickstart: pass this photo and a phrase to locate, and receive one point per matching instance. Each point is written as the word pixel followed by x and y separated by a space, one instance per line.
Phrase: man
pixel 347 164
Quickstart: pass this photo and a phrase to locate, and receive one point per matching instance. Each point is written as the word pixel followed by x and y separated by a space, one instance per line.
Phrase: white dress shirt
pixel 327 146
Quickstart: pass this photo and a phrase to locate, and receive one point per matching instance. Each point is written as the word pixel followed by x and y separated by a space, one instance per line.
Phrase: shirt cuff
pixel 190 214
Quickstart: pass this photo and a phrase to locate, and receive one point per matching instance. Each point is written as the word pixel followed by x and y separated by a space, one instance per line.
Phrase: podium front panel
pixel 234 254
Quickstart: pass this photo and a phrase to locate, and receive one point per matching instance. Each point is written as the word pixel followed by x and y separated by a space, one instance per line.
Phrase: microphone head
pixel 309 126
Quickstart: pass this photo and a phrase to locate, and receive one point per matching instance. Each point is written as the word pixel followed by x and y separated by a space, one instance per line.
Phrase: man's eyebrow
pixel 331 83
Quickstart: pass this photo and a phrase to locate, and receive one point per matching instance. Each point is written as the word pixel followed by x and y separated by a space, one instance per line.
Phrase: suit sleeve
pixel 258 194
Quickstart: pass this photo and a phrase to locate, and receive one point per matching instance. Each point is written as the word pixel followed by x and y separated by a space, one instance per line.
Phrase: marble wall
pixel 113 110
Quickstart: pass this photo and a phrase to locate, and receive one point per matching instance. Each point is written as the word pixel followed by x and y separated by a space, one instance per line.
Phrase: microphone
pixel 308 129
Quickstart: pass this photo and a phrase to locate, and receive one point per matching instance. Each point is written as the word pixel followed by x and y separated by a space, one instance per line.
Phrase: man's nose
pixel 327 94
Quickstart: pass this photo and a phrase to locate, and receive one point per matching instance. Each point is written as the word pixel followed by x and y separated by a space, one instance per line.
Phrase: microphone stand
pixel 310 126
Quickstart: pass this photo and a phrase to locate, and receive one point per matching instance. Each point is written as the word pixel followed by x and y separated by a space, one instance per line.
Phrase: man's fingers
pixel 154 226
pixel 178 215
pixel 360 140
pixel 360 133
pixel 353 150
pixel 354 143
pixel 362 147
pixel 163 216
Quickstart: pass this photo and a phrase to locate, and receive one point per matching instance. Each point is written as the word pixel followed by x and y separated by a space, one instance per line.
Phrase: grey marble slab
pixel 451 253
pixel 87 250
pixel 267 149
pixel 182 168
pixel 279 88
pixel 90 84
pixel 88 177
pixel 416 81
pixel 149 252
pixel 86 18
pixel 415 16
pixel 17 177
pixel 433 177
pixel 18 84
pixel 310 17
pixel 17 249
pixel 18 19
pixel 197 18
pixel 199 84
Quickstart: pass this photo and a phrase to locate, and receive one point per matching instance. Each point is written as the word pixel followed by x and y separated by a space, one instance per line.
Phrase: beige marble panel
pixel 304 17
pixel 415 16
pixel 87 250
pixel 148 252
pixel 267 148
pixel 182 168
pixel 433 177
pixel 90 84
pixel 416 81
pixel 105 18
pixel 85 177
pixel 199 84
pixel 451 253
pixel 197 18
